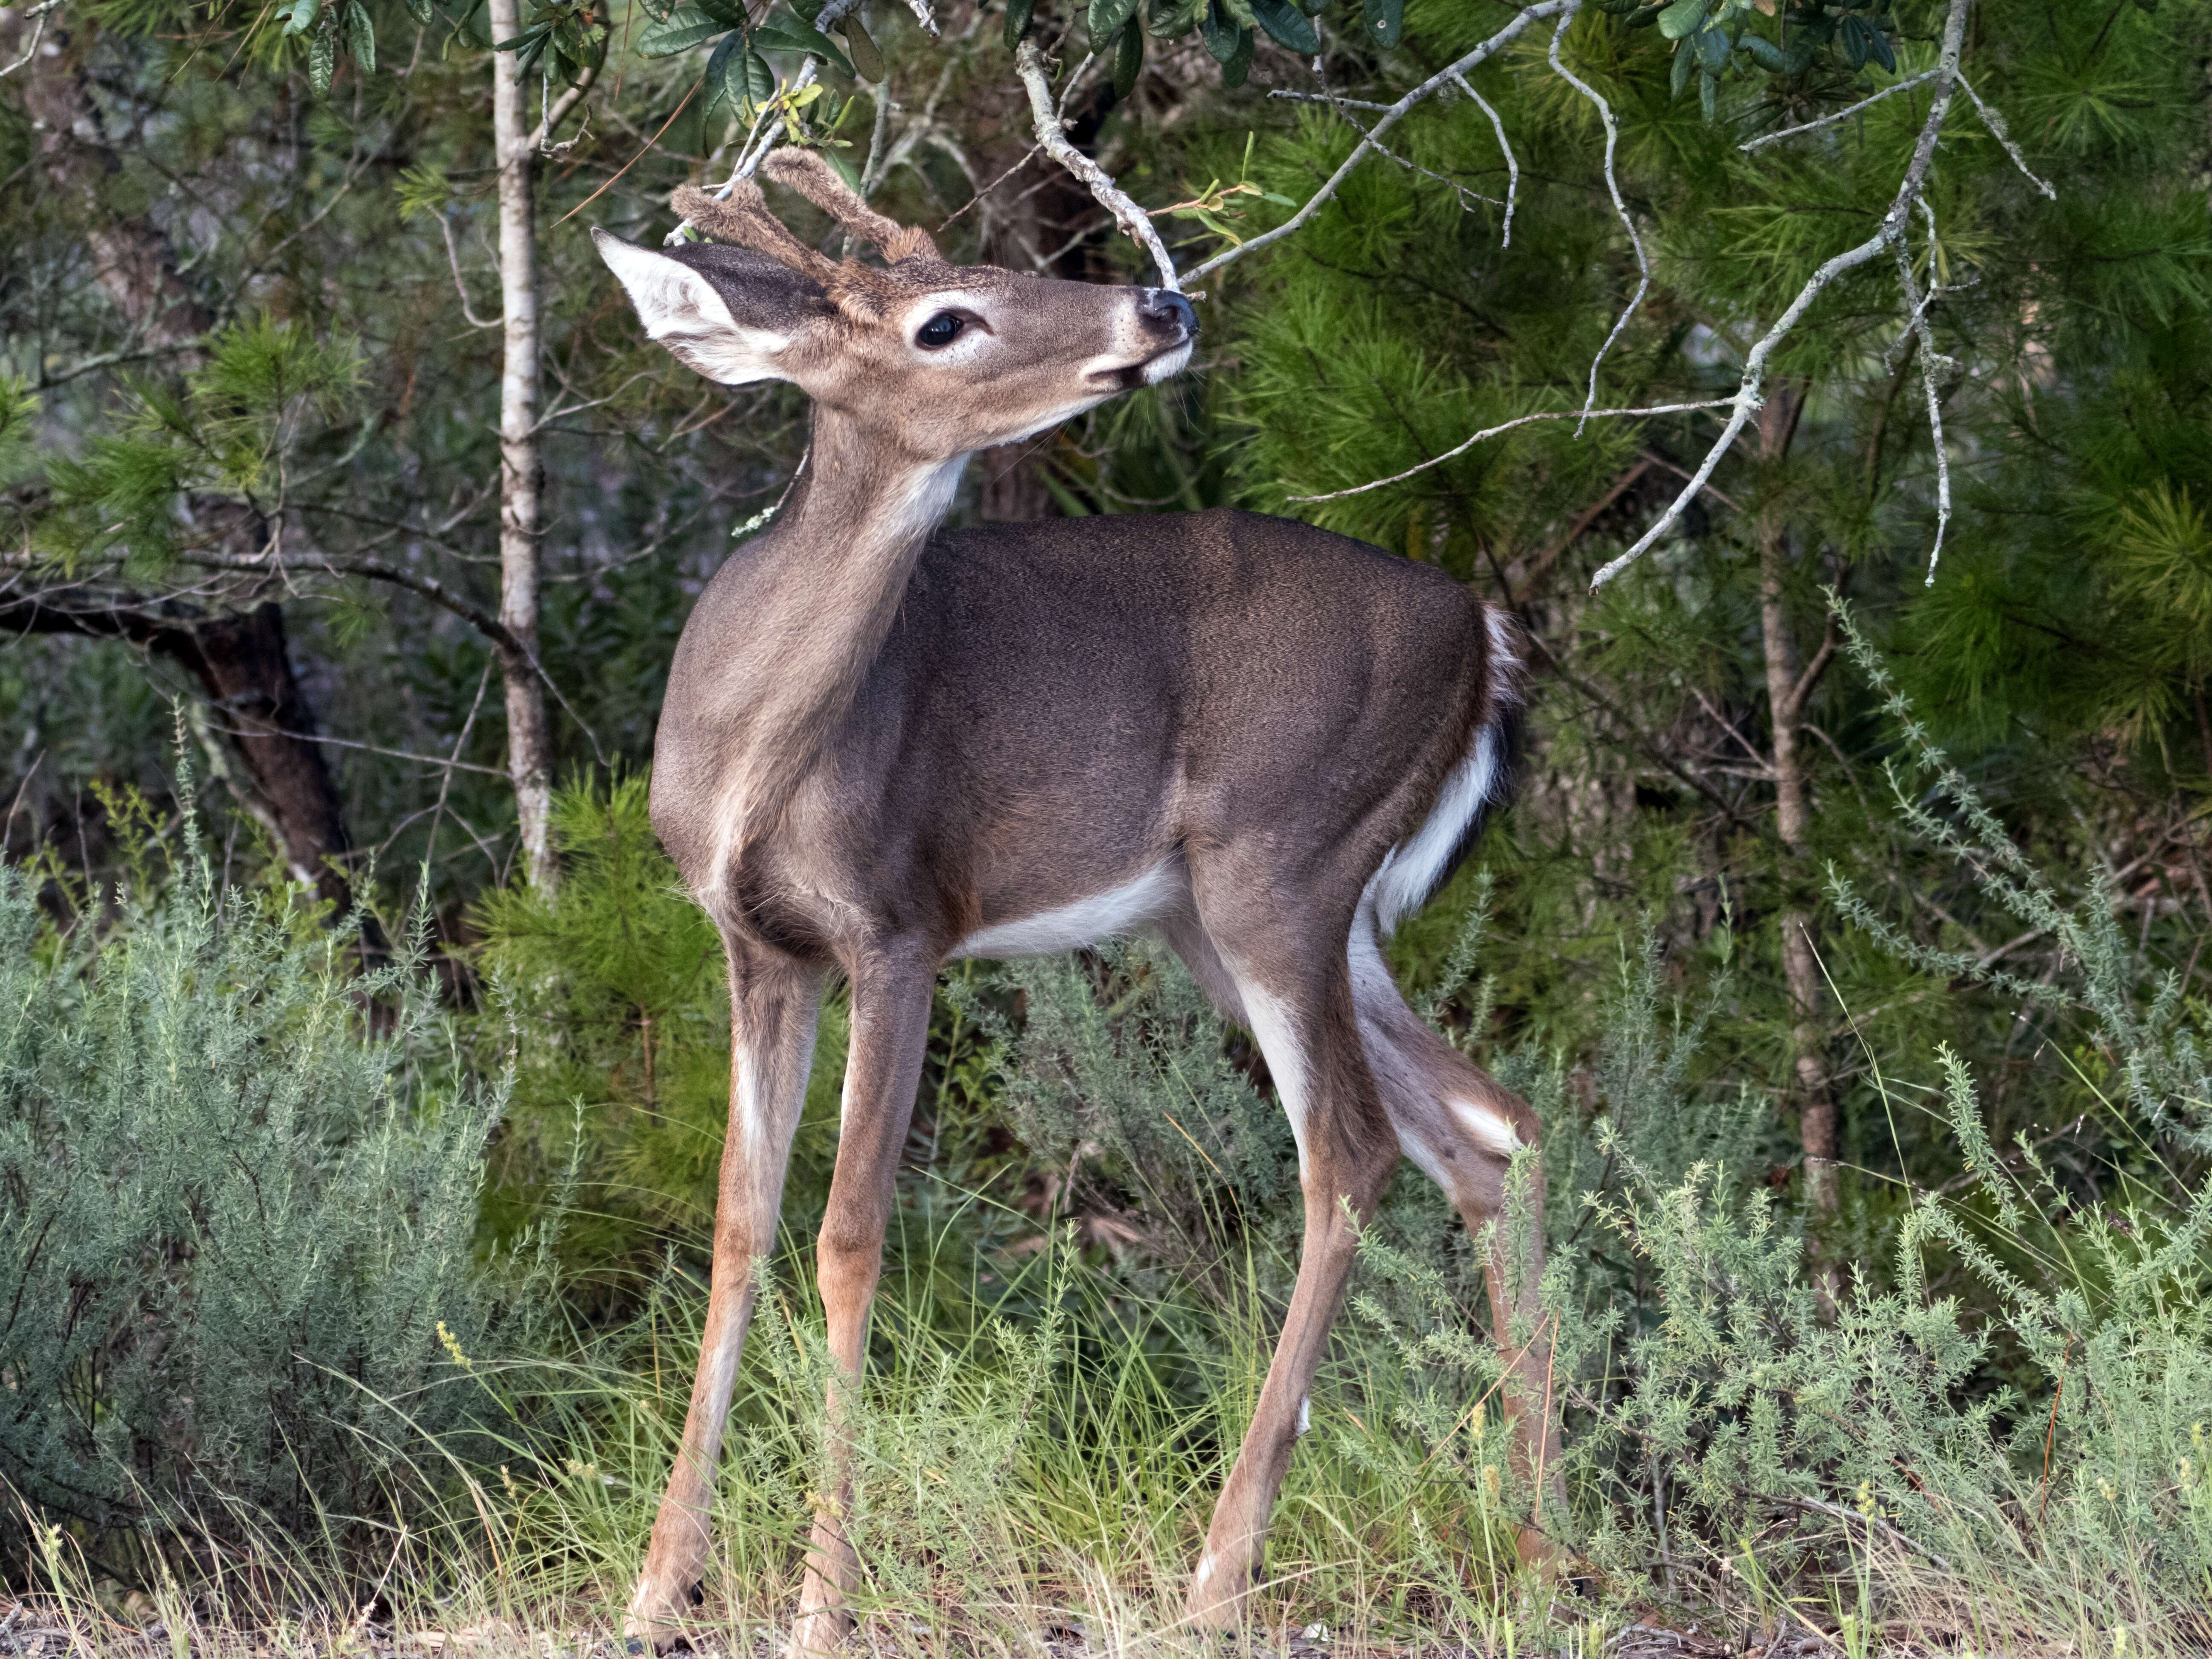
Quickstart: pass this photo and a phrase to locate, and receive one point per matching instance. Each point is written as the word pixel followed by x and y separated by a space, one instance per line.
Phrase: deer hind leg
pixel 891 994
pixel 773 1003
pixel 1296 993
pixel 1462 1129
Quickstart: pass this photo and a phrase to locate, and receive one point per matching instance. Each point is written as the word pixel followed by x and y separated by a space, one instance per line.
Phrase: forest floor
pixel 40 1628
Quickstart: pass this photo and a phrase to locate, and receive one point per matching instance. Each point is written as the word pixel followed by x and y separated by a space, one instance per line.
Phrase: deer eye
pixel 940 331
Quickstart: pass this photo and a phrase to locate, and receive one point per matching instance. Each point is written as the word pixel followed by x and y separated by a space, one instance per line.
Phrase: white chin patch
pixel 1172 363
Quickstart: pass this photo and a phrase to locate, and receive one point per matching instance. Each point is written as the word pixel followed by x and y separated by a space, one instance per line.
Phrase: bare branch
pixel 36 16
pixel 1457 450
pixel 1512 167
pixel 1996 124
pixel 1930 358
pixel 1391 116
pixel 1747 400
pixel 1844 114
pixel 453 259
pixel 557 111
pixel 1343 107
pixel 1135 223
pixel 1612 185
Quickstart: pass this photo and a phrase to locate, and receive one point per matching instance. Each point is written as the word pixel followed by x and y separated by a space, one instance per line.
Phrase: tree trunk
pixel 240 658
pixel 529 740
pixel 1788 686
pixel 241 662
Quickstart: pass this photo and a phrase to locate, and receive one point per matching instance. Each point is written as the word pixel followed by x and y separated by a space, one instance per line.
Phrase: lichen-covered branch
pixel 1392 114
pixel 1461 448
pixel 1612 187
pixel 1747 400
pixel 1044 114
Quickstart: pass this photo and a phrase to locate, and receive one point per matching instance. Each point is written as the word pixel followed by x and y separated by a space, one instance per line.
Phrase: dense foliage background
pixel 1848 933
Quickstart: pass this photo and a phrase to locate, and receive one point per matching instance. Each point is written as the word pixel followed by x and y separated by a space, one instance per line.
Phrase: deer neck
pixel 822 588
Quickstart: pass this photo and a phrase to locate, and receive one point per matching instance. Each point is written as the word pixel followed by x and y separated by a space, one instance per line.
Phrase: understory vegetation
pixel 364 1068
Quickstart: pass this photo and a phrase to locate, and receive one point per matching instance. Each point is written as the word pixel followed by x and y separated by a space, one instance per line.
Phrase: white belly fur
pixel 1157 892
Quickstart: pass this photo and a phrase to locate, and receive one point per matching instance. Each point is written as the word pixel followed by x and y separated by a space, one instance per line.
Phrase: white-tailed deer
pixel 883 747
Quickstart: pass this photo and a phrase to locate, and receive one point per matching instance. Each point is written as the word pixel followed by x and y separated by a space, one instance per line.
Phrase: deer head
pixel 936 359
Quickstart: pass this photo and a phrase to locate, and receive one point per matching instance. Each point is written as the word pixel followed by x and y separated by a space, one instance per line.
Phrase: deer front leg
pixel 891 994
pixel 774 1004
pixel 1347 1154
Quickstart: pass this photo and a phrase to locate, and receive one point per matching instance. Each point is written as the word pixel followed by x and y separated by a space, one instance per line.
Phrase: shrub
pixel 237 1192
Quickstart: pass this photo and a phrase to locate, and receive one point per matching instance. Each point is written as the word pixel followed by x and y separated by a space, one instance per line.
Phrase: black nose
pixel 1162 305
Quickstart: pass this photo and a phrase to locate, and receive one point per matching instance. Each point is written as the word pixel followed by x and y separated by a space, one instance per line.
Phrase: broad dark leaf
pixel 1384 20
pixel 1128 57
pixel 723 87
pixel 778 37
pixel 685 27
pixel 361 37
pixel 1218 31
pixel 1104 20
pixel 867 57
pixel 1018 13
pixel 1239 64
pixel 1764 53
pixel 1287 24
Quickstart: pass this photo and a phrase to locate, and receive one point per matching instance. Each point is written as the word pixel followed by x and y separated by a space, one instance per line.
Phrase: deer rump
pixel 1064 715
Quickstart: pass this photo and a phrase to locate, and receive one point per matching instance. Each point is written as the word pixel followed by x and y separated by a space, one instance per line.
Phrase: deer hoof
pixel 651 1625
pixel 819 1635
pixel 1218 1589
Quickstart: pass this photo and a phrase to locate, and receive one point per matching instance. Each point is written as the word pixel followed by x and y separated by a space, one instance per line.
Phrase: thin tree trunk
pixel 1788 686
pixel 241 657
pixel 529 740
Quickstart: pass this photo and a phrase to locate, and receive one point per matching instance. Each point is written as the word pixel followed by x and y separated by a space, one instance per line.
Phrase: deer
pixel 883 747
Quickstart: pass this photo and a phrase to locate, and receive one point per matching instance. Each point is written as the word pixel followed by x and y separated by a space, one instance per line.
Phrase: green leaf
pixel 1018 13
pixel 1764 52
pixel 1385 21
pixel 682 29
pixel 303 15
pixel 729 15
pixel 1172 18
pixel 1879 43
pixel 1128 57
pixel 322 59
pixel 1855 42
pixel 722 87
pixel 1708 94
pixel 420 10
pixel 361 37
pixel 1217 31
pixel 1239 62
pixel 760 79
pixel 1104 20
pixel 1713 49
pixel 777 37
pixel 1683 17
pixel 1287 24
pixel 867 57
pixel 1678 79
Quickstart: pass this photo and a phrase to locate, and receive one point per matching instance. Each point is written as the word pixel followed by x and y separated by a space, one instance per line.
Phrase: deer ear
pixel 731 324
